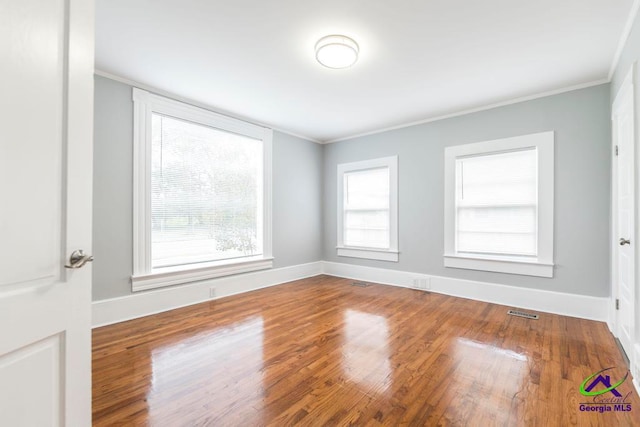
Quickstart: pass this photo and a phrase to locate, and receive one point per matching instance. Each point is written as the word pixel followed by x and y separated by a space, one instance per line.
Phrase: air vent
pixel 360 284
pixel 523 314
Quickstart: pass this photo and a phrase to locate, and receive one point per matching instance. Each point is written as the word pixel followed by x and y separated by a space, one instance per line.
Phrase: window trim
pixel 144 276
pixel 392 253
pixel 542 265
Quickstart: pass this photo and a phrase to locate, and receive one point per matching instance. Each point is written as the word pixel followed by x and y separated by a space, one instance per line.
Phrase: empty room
pixel 340 213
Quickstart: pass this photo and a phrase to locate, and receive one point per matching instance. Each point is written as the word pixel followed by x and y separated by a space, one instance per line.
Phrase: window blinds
pixel 496 203
pixel 205 199
pixel 366 208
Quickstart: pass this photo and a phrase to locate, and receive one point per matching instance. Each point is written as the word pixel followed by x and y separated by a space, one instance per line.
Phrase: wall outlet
pixel 423 284
pixel 212 292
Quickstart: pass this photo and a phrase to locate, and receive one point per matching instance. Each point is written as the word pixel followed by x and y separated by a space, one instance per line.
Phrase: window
pixel 499 205
pixel 202 186
pixel 368 209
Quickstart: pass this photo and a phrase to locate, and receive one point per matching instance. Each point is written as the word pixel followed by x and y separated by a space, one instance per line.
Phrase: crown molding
pixel 475 110
pixel 172 95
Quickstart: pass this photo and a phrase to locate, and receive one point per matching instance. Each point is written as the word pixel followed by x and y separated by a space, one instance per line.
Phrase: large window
pixel 202 194
pixel 368 209
pixel 499 205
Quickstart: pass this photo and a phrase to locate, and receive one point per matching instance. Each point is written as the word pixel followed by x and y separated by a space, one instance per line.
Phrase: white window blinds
pixel 496 203
pixel 366 208
pixel 206 193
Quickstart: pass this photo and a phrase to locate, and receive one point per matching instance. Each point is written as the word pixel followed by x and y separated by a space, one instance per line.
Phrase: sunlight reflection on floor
pixel 206 359
pixel 365 358
pixel 478 364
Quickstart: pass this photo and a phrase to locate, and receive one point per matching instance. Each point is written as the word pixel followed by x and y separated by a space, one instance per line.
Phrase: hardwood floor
pixel 322 352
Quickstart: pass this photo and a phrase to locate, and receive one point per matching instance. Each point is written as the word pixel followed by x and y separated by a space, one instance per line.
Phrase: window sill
pixel 377 254
pixel 504 265
pixel 169 276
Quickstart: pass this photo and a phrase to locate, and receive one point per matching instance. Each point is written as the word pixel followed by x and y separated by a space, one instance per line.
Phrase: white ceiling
pixel 418 58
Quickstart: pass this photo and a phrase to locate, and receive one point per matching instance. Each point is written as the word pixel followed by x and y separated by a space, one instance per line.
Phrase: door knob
pixel 624 241
pixel 78 259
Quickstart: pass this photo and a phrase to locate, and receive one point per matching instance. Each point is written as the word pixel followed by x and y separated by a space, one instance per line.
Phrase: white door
pixel 623 122
pixel 46 119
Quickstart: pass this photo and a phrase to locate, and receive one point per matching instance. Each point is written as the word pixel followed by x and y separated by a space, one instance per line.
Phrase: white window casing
pixel 147 108
pixel 509 186
pixel 367 201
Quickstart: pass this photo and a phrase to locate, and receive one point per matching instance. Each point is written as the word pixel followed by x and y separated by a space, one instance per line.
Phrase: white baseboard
pixel 611 315
pixel 633 355
pixel 114 310
pixel 581 306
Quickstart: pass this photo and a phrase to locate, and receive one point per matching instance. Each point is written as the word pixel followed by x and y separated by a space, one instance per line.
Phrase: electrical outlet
pixel 421 284
pixel 212 292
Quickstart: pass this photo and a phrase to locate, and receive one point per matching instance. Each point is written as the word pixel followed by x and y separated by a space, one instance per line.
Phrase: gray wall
pixel 582 169
pixel 297 200
pixel 304 189
pixel 297 193
pixel 112 189
pixel 630 54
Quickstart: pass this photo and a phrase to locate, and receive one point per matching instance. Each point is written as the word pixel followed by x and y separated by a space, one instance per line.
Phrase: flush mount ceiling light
pixel 337 51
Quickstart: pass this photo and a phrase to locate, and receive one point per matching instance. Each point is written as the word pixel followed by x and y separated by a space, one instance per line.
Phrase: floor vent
pixel 523 314
pixel 361 284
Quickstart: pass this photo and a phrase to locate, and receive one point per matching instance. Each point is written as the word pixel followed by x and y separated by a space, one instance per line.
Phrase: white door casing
pixel 46 108
pixel 623 265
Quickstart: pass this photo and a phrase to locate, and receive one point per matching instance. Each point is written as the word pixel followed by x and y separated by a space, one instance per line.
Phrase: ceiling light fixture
pixel 337 51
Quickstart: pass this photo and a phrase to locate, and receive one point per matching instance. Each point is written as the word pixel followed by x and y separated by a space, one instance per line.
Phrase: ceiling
pixel 255 59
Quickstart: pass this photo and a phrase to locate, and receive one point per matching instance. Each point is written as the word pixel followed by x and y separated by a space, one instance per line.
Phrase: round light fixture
pixel 337 51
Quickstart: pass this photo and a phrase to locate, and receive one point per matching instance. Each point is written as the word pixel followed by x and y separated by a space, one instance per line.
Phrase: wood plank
pixel 321 352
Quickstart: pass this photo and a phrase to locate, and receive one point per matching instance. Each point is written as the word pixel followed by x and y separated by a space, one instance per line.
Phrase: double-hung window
pixel 499 205
pixel 368 209
pixel 202 193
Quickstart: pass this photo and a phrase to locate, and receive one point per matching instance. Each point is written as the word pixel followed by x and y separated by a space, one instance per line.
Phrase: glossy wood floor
pixel 321 352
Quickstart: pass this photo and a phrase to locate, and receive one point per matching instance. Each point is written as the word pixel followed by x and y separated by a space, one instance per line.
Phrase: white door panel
pixel 32 104
pixel 35 372
pixel 46 108
pixel 624 213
